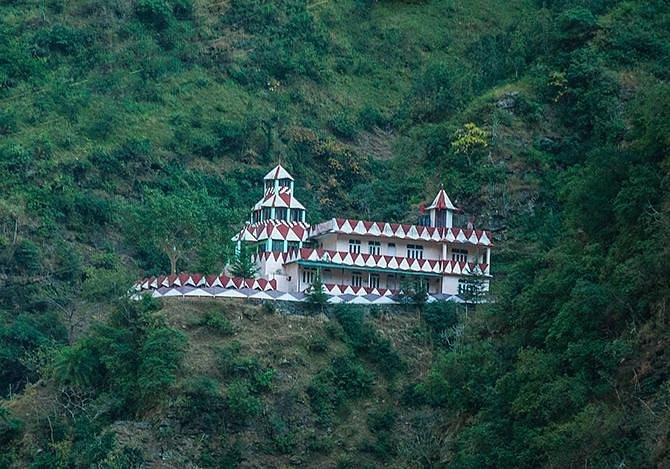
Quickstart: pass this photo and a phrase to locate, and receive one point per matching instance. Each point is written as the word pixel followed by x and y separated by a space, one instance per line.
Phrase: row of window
pixel 278 246
pixel 281 213
pixel 414 251
pixel 374 247
pixel 282 183
pixel 372 280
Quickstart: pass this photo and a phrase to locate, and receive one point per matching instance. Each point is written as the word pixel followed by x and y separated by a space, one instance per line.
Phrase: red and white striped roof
pixel 441 202
pixel 282 198
pixel 401 231
pixel 278 172
pixel 204 281
pixel 394 263
pixel 273 229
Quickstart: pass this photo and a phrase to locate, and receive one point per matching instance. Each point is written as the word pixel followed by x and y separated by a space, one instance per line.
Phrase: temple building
pixel 361 257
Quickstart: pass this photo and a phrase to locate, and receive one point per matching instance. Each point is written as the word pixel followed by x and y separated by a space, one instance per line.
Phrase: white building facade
pixel 362 257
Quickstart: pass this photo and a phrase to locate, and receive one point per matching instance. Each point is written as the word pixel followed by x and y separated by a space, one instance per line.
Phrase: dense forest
pixel 126 123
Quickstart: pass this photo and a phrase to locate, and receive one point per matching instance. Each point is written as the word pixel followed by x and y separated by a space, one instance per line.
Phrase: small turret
pixel 278 202
pixel 441 211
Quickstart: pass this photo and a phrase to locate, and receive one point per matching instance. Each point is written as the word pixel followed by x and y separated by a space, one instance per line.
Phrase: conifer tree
pixel 316 295
pixel 243 265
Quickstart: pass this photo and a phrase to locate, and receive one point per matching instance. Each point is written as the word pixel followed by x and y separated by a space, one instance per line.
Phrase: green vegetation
pixel 132 139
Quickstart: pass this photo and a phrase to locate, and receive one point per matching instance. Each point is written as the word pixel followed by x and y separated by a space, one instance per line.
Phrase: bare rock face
pixel 508 101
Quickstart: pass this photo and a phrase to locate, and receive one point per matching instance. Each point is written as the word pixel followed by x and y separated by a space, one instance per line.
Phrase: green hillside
pixel 126 123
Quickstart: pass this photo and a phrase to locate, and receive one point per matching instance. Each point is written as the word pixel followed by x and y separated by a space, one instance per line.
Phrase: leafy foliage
pixel 133 136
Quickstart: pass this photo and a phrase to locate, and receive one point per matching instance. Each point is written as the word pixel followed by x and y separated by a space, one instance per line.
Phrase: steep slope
pixel 255 388
pixel 124 123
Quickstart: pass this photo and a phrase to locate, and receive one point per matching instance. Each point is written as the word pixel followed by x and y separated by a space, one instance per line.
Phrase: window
pixel 277 245
pixel 391 249
pixel 308 275
pixel 293 245
pixel 391 282
pixel 355 246
pixel 459 255
pixel 267 213
pixel 296 215
pixel 374 247
pixel 421 284
pixel 464 287
pixel 284 183
pixel 415 251
pixel 281 213
pixel 423 220
pixel 374 281
pixel 440 218
pixel 269 184
pixel 356 279
pixel 260 248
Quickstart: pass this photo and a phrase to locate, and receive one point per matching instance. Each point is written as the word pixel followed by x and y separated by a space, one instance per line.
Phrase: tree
pixel 475 286
pixel 469 140
pixel 171 223
pixel 243 265
pixel 316 295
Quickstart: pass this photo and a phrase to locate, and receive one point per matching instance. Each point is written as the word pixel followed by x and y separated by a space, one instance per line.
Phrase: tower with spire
pixel 441 211
pixel 278 202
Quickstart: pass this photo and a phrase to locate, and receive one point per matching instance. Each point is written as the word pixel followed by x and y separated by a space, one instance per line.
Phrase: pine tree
pixel 243 265
pixel 316 295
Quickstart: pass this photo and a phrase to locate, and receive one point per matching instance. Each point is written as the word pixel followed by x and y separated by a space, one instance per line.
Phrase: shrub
pixel 318 344
pixel 370 117
pixel 182 9
pixel 10 428
pixel 330 389
pixel 161 354
pixel 233 364
pixel 241 403
pixel 283 439
pixel 322 444
pixel 27 257
pixel 8 122
pixel 344 125
pixel 441 315
pixel 155 13
pixel 200 403
pixel 381 424
pixel 64 39
pixel 215 320
pixel 365 340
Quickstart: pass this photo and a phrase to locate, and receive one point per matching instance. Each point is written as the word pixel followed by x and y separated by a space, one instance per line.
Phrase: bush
pixel 233 364
pixel 318 344
pixel 441 316
pixel 370 117
pixel 241 402
pixel 216 321
pixel 322 444
pixel 283 439
pixel 64 39
pixel 155 13
pixel 344 125
pixel 330 389
pixel 161 354
pixel 200 404
pixel 10 428
pixel 27 258
pixel 365 340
